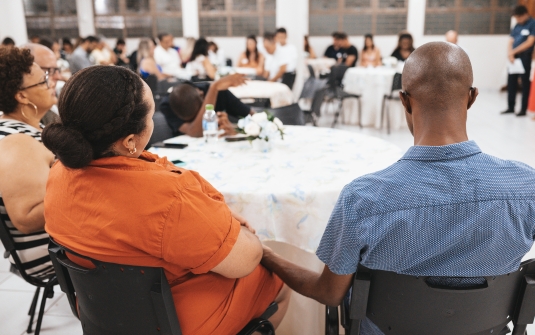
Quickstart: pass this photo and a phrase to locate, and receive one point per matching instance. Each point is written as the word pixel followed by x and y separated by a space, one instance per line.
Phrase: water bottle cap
pixel 210 107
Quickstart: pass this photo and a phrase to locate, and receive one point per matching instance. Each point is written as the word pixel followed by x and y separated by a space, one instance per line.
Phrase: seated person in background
pixel 251 58
pixel 168 58
pixel 185 52
pixel 444 210
pixel 350 54
pixel 200 66
pixel 216 55
pixel 279 61
pixel 404 48
pixel 281 37
pixel 79 59
pixel 333 51
pixel 309 51
pixel 120 53
pixel 25 97
pixel 8 42
pixel 452 36
pixel 103 55
pixel 145 59
pixel 66 48
pixel 185 106
pixel 156 214
pixel 371 55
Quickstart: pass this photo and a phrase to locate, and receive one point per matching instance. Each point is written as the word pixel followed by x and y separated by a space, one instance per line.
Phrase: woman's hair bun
pixel 69 145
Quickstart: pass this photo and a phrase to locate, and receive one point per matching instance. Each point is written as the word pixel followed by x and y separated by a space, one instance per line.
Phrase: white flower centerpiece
pixel 261 129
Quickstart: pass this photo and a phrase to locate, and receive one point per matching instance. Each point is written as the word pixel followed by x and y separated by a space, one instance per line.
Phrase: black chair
pixel 288 79
pixel 401 304
pixel 257 102
pixel 335 92
pixel 161 131
pixel 311 90
pixel 291 115
pixel 396 86
pixel 47 281
pixel 311 71
pixel 125 299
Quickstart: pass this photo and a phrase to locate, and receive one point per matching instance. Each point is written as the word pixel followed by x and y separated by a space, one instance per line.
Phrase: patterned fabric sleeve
pixel 340 245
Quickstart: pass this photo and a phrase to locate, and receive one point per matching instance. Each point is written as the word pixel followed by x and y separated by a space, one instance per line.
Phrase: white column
pixel 190 18
pixel 86 18
pixel 13 21
pixel 416 20
pixel 293 15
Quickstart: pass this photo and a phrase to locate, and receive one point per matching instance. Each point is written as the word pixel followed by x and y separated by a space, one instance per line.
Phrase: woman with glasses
pixel 25 97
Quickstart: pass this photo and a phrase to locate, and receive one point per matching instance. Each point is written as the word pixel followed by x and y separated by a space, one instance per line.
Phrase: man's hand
pixel 225 124
pixel 229 81
pixel 242 221
pixel 511 56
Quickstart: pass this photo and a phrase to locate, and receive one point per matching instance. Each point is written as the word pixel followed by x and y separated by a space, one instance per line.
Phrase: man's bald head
pixel 452 36
pixel 44 57
pixel 438 72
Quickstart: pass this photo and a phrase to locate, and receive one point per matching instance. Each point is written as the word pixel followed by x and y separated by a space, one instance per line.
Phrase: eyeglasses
pixel 45 82
pixel 405 93
pixel 51 70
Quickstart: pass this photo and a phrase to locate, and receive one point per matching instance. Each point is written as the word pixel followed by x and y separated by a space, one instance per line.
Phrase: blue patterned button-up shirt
pixel 439 211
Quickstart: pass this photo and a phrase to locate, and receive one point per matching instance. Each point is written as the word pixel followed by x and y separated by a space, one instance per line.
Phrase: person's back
pixel 444 210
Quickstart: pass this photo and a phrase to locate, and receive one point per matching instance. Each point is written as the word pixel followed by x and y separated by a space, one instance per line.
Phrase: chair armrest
pixel 331 320
pixel 259 325
pixel 526 310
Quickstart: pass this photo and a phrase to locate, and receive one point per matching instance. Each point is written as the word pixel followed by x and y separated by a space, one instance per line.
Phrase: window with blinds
pixel 357 17
pixel 137 18
pixel 468 17
pixel 51 18
pixel 236 17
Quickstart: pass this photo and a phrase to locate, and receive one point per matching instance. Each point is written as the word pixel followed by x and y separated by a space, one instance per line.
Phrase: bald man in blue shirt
pixel 445 209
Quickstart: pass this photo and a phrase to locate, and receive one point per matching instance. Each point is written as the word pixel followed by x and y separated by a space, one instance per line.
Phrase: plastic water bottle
pixel 209 125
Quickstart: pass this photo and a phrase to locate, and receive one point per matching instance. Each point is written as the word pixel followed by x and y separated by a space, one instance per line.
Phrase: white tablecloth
pixel 279 94
pixel 372 84
pixel 321 65
pixel 288 194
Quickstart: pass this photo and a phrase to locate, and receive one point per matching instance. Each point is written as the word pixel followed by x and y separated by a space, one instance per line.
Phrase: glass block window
pixel 51 18
pixel 236 17
pixel 468 17
pixel 137 18
pixel 357 17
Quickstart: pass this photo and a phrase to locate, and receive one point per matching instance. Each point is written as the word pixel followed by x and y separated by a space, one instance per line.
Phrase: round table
pixel 372 84
pixel 279 94
pixel 320 65
pixel 288 193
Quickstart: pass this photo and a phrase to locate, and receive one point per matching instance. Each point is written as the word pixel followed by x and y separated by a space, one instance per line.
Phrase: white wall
pixel 12 21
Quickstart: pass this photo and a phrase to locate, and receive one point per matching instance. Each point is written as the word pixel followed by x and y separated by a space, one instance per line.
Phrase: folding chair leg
pixel 31 312
pixel 48 293
pixel 360 113
pixel 383 111
pixel 388 119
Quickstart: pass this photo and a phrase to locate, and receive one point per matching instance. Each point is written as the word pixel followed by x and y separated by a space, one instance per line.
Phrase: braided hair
pixel 98 106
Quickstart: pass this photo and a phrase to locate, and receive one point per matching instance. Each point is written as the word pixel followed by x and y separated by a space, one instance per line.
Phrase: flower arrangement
pixel 263 126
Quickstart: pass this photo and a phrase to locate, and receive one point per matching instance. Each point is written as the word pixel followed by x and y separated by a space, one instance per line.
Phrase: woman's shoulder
pixel 14 127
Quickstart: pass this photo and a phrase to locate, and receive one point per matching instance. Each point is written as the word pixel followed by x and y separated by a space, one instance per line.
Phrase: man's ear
pixel 472 95
pixel 404 96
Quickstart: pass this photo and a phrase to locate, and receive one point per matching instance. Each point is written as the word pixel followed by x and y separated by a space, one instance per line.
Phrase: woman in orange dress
pixel 110 200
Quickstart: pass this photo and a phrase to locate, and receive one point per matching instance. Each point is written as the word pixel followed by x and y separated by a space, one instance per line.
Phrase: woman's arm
pixel 149 65
pixel 311 52
pixel 243 258
pixel 210 69
pixel 240 60
pixel 260 67
pixel 378 59
pixel 24 169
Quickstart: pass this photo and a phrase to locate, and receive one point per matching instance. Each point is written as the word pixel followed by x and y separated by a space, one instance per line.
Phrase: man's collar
pixel 441 153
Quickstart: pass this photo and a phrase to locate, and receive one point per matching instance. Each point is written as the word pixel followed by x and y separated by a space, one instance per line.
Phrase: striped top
pixel 32 248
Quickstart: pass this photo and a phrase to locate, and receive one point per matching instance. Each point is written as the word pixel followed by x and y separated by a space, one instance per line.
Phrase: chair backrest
pixel 152 82
pixel 311 71
pixel 11 250
pixel 401 304
pixel 291 115
pixel 288 79
pixel 396 83
pixel 337 75
pixel 311 86
pixel 161 131
pixel 116 299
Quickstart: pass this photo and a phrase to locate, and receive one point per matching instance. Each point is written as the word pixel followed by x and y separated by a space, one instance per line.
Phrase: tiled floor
pixel 504 136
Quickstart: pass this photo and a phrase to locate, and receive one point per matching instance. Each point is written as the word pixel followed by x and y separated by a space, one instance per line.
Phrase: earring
pixel 22 111
pixel 132 151
pixel 34 107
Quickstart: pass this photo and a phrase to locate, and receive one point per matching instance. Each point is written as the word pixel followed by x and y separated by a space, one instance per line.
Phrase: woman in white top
pixel 199 65
pixel 371 55
pixel 251 58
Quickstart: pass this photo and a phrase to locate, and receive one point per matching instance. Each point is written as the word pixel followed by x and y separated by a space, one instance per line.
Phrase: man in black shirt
pixel 184 108
pixel 342 50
